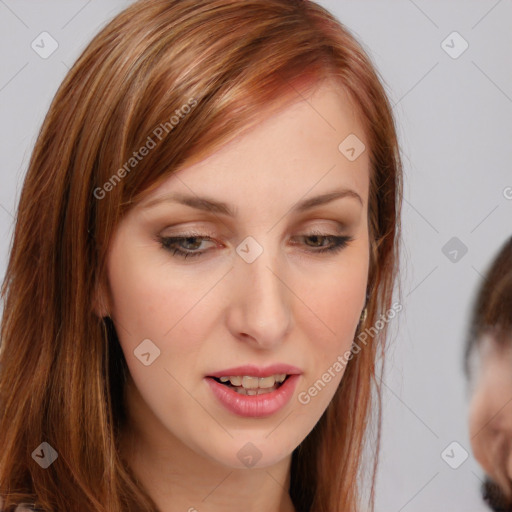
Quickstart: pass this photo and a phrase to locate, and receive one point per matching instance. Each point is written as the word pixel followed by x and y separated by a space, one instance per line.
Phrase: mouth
pixel 252 386
pixel 250 391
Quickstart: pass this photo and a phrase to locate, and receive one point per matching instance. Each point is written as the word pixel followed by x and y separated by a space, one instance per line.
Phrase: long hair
pixel 196 72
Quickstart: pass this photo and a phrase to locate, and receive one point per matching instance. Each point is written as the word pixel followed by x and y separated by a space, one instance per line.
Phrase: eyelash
pixel 338 243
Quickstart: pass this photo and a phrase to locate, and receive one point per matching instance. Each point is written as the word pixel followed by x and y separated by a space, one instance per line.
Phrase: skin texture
pixel 216 311
pixel 490 416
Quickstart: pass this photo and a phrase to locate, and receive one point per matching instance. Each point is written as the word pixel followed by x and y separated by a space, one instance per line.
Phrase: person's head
pixel 109 330
pixel 489 367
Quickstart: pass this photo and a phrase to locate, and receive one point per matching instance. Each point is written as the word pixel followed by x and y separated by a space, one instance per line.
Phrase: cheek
pixel 482 431
pixel 476 421
pixel 149 302
pixel 336 296
pixel 152 300
pixel 146 303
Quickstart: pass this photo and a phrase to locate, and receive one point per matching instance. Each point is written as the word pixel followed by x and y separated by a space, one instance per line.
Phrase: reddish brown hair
pixel 62 367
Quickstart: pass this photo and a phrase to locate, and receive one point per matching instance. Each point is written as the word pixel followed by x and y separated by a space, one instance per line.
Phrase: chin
pixel 253 452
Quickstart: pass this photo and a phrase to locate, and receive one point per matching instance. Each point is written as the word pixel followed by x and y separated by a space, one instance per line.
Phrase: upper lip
pixel 258 371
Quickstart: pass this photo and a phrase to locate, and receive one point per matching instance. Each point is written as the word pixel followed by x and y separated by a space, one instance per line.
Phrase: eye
pixel 188 244
pixel 337 243
pixel 175 244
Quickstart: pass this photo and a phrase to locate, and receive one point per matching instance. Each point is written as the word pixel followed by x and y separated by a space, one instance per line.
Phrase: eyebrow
pixel 210 205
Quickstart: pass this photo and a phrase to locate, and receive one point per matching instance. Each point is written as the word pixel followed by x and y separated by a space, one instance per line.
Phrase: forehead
pixel 299 150
pixel 489 345
pixel 493 358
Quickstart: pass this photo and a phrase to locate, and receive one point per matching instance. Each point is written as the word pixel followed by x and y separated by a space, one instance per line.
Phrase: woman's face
pixel 253 291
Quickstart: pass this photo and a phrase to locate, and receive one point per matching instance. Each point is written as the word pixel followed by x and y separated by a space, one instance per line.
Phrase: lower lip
pixel 255 406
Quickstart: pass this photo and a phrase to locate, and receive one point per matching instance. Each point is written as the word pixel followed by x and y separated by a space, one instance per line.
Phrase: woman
pixel 207 230
pixel 489 366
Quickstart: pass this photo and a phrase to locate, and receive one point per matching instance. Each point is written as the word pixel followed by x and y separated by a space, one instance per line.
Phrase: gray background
pixel 455 123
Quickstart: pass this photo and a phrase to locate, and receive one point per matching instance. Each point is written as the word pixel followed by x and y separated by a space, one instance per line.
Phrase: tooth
pixel 241 391
pixel 266 382
pixel 236 381
pixel 252 392
pixel 267 390
pixel 250 382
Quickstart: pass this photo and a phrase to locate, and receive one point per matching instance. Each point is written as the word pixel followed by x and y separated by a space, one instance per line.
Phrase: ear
pixel 100 300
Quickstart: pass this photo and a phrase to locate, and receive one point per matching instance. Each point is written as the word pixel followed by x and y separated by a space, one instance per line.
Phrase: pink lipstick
pixel 252 391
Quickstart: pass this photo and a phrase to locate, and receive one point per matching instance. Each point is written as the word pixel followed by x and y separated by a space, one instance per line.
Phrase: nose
pixel 259 306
